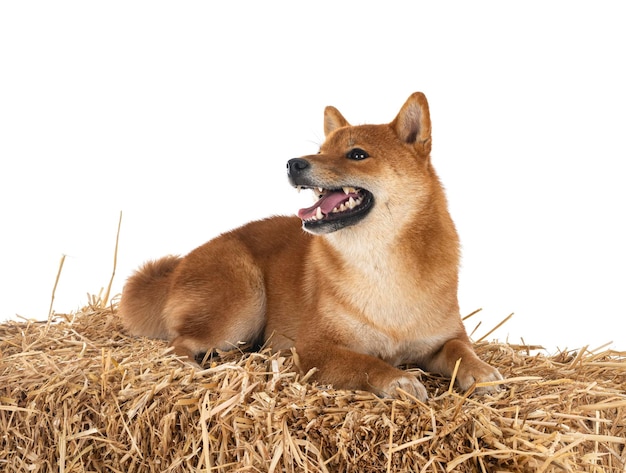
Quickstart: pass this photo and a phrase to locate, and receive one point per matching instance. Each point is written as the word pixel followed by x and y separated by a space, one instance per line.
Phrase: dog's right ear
pixel 412 124
pixel 333 120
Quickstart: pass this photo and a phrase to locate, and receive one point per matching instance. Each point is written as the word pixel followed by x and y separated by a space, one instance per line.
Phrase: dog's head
pixel 367 172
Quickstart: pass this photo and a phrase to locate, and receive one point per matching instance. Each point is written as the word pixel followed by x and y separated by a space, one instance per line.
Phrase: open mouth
pixel 335 208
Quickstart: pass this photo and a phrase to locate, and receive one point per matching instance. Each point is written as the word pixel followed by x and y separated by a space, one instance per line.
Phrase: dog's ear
pixel 333 120
pixel 412 125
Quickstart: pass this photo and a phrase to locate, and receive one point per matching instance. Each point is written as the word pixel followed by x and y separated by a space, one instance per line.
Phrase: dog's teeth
pixel 298 188
pixel 319 214
pixel 351 203
pixel 320 189
pixel 346 190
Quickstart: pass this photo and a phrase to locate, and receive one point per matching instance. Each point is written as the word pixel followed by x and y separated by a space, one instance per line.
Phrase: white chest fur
pixel 392 311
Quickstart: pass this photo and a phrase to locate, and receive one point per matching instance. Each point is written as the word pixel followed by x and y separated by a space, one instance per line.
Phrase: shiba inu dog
pixel 359 283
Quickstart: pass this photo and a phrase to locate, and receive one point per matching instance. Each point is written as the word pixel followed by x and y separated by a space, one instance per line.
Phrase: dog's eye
pixel 357 153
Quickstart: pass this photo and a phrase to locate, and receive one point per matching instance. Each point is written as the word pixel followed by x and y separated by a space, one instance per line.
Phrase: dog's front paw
pixel 408 383
pixel 477 371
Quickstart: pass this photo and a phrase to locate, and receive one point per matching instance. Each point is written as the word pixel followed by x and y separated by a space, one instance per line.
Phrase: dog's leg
pixel 216 303
pixel 345 369
pixel 471 369
pixel 213 323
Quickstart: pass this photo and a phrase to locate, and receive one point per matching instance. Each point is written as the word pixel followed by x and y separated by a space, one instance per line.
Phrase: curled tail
pixel 144 298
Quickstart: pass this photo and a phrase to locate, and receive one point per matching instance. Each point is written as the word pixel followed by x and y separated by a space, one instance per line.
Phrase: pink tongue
pixel 327 203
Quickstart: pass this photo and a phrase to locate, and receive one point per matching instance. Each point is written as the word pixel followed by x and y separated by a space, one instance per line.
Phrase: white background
pixel 183 114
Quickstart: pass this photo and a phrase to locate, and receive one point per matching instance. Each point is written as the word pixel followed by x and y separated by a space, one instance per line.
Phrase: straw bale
pixel 78 395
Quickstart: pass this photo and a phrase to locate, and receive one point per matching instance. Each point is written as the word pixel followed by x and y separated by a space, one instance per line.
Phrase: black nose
pixel 296 166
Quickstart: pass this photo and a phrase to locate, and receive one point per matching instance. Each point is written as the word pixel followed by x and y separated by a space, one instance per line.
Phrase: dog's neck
pixel 391 240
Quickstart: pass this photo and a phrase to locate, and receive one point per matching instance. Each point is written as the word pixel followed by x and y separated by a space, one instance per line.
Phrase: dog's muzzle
pixel 296 167
pixel 336 206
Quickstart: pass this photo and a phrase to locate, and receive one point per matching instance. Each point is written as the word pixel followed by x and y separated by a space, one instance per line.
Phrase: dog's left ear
pixel 333 120
pixel 412 125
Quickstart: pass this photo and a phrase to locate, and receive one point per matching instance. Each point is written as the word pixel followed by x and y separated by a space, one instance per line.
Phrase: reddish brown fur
pixel 355 302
